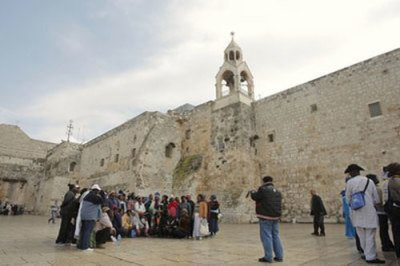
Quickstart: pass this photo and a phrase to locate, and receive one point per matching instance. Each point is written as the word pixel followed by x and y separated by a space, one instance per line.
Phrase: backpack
pixel 357 200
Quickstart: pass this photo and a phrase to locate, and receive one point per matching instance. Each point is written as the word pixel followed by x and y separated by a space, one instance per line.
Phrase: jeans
pixel 86 231
pixel 269 234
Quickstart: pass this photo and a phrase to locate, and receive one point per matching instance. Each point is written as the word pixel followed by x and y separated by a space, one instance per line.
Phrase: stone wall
pixel 22 161
pixel 14 142
pixel 304 137
pixel 217 157
pixel 133 156
pixel 312 147
pixel 62 167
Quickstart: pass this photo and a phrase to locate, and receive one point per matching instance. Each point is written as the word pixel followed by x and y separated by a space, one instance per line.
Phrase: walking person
pixel 393 204
pixel 387 244
pixel 364 218
pixel 53 212
pixel 318 211
pixel 268 210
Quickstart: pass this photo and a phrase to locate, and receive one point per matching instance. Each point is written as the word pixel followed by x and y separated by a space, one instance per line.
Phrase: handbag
pixel 204 231
pixel 357 200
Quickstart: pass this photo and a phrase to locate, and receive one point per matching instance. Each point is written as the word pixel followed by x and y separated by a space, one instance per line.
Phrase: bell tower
pixel 234 81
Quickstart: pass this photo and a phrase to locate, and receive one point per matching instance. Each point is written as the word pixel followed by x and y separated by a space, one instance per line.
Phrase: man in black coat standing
pixel 318 210
pixel 268 209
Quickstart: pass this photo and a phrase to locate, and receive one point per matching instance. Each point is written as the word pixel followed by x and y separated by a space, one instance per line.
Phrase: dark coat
pixel 213 210
pixel 268 202
pixel 317 206
pixel 65 208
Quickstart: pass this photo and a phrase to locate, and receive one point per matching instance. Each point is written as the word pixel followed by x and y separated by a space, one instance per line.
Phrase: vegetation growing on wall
pixel 185 167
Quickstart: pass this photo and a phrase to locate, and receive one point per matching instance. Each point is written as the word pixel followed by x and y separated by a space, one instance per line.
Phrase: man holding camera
pixel 268 210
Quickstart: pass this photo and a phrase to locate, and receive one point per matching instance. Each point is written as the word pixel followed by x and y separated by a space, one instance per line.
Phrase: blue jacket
pixel 91 207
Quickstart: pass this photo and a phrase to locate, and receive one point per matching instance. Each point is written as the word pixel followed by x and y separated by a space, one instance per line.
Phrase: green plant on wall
pixel 185 167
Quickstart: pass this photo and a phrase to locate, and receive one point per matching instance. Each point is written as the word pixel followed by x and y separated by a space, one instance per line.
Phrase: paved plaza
pixel 29 240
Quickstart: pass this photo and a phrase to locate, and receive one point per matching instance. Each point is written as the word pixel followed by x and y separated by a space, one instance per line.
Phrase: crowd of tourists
pixel 91 217
pixel 8 208
pixel 366 207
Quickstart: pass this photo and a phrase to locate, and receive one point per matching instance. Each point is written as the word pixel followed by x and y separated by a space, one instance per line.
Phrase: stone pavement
pixel 29 240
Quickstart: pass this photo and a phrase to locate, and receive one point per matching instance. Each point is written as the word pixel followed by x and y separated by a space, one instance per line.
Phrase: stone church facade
pixel 304 137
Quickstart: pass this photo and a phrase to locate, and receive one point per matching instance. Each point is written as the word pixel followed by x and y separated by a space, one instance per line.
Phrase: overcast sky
pixel 102 62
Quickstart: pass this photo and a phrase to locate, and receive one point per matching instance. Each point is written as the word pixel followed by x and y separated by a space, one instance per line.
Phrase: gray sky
pixel 102 62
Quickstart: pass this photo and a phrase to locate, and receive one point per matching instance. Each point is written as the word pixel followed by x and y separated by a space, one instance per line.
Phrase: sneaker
pixel 315 234
pixel 73 244
pixel 264 260
pixel 113 239
pixel 87 250
pixel 278 259
pixel 322 234
pixel 376 261
pixel 60 244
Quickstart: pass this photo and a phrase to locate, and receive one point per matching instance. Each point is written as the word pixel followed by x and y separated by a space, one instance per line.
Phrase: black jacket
pixel 317 206
pixel 268 202
pixel 65 208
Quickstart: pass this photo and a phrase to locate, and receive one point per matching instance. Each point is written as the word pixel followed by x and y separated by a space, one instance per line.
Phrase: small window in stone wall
pixel 313 108
pixel 271 137
pixel 116 158
pixel 375 109
pixel 133 152
pixel 102 162
pixel 221 144
pixel 188 134
pixel 72 166
pixel 169 149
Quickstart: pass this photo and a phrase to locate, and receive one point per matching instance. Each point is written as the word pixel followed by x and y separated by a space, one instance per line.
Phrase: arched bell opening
pixel 244 83
pixel 237 55
pixel 227 83
pixel 231 55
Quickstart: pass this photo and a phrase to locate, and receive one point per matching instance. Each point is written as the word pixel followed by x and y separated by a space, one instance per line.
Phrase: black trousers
pixel 102 236
pixel 65 228
pixel 319 224
pixel 395 219
pixel 384 232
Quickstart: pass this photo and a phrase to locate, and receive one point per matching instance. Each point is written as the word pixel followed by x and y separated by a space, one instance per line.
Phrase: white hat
pixel 95 186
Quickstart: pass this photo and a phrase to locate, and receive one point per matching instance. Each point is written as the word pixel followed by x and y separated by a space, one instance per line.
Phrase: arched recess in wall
pixel 227 82
pixel 231 55
pixel 169 149
pixel 237 55
pixel 72 166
